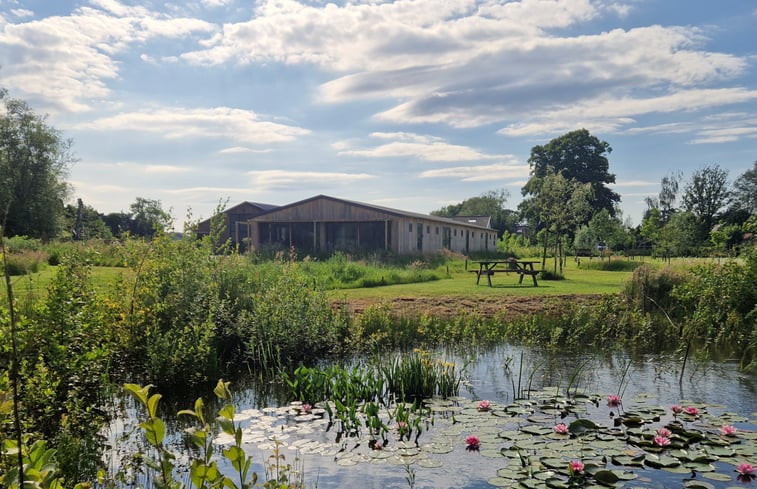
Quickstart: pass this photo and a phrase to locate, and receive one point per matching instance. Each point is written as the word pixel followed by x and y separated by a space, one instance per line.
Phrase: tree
pixel 706 195
pixel 148 217
pixel 745 190
pixel 577 156
pixel 669 186
pixel 607 229
pixel 678 237
pixel 34 160
pixel 559 206
pixel 491 203
pixel 83 222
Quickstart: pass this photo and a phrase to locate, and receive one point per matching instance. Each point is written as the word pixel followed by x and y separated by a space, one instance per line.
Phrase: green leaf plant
pixel 204 470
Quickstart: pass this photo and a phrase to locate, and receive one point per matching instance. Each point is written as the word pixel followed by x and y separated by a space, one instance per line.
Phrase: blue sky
pixel 407 104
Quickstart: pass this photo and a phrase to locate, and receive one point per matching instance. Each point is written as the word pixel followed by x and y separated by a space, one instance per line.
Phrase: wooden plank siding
pixel 326 224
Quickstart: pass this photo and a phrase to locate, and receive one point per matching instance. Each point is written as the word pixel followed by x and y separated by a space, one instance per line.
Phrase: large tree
pixel 491 203
pixel 578 156
pixel 705 195
pixel 34 160
pixel 745 190
pixel 148 217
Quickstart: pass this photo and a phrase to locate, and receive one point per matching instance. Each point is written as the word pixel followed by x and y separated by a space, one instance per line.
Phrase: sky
pixel 410 104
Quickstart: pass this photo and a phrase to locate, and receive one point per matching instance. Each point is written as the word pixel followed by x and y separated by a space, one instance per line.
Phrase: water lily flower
pixel 661 441
pixel 728 430
pixel 402 426
pixel 664 432
pixel 306 408
pixel 472 443
pixel 676 408
pixel 575 467
pixel 745 470
pixel 613 400
pixel 692 411
pixel 561 428
pixel 484 405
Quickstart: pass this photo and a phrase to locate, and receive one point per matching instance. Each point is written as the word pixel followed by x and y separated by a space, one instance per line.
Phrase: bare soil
pixel 506 307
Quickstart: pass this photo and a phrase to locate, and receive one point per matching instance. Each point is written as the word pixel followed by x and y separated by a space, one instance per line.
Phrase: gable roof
pixel 382 209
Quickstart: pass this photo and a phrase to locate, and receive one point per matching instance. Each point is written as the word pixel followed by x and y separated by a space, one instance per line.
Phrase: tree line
pixel 568 205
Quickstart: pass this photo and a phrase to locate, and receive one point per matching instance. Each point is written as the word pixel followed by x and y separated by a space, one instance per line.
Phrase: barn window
pixel 410 226
pixel 437 229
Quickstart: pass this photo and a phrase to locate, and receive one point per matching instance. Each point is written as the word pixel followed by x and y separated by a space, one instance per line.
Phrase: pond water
pixel 552 389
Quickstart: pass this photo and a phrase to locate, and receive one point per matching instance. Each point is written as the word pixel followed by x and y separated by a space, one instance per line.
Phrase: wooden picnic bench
pixel 490 267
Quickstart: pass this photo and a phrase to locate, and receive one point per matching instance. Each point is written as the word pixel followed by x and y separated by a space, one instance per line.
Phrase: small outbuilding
pixel 235 221
pixel 324 224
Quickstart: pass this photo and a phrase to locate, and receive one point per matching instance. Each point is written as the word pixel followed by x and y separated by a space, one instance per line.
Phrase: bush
pixel 25 262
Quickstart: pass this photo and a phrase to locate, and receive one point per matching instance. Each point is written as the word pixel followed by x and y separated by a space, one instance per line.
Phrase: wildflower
pixel 575 467
pixel 745 470
pixel 677 408
pixel 728 430
pixel 307 408
pixel 613 400
pixel 484 405
pixel 663 432
pixel 661 441
pixel 561 428
pixel 692 411
pixel 472 443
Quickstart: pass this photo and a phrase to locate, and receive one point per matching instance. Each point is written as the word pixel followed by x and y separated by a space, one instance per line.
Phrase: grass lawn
pixel 35 285
pixel 462 283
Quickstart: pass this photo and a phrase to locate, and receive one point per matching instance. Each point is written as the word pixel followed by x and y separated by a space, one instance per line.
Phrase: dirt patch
pixel 506 307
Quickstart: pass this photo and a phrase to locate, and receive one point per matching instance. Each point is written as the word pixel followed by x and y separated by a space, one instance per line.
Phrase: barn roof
pixel 480 223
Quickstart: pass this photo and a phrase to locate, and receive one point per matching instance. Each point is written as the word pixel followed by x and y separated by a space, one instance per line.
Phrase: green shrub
pixel 25 262
pixel 616 265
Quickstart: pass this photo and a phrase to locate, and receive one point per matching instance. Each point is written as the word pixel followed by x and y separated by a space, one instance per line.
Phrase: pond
pixel 518 439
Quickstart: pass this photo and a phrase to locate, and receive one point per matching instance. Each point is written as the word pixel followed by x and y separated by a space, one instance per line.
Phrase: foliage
pixel 490 204
pixel 578 156
pixel 148 217
pixel 706 195
pixel 34 159
pixel 717 307
pixel 83 222
pixel 204 471
pixel 745 190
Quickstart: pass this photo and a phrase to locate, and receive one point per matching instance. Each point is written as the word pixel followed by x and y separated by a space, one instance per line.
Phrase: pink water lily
pixel 561 428
pixel 484 405
pixel 745 470
pixel 728 430
pixel 575 467
pixel 676 408
pixel 664 432
pixel 472 443
pixel 661 441
pixel 306 408
pixel 692 411
pixel 613 400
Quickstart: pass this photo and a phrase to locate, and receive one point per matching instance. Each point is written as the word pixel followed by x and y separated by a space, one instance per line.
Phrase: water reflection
pixel 500 375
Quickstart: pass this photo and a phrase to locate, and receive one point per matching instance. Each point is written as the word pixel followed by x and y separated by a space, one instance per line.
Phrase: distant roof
pixel 387 210
pixel 262 207
pixel 484 221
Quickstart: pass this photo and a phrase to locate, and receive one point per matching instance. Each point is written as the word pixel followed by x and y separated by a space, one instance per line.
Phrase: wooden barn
pixel 324 224
pixel 235 219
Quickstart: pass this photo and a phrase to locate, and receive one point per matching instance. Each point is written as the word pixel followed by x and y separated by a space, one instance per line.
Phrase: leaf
pixel 152 405
pixel 581 426
pixel 606 477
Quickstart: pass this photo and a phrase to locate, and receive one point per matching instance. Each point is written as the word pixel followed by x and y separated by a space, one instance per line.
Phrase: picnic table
pixel 490 267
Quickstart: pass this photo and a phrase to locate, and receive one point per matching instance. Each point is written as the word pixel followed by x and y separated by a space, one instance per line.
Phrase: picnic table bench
pixel 490 267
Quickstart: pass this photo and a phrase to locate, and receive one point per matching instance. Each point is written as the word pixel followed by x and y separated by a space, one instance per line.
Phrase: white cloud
pixel 219 122
pixel 423 147
pixel 610 114
pixel 22 12
pixel 281 179
pixel 165 169
pixel 242 149
pixel 66 62
pixel 481 173
pixel 633 183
